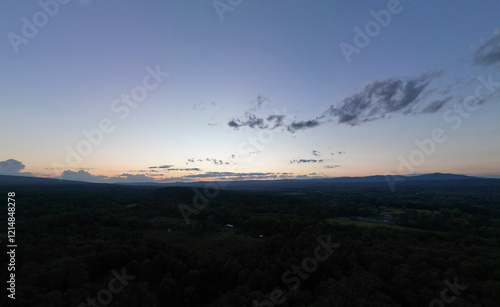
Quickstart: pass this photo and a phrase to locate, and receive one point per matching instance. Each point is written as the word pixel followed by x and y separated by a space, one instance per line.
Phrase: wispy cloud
pixel 488 52
pixel 299 161
pixel 250 120
pixel 212 160
pixel 379 99
pixel 332 166
pixel 162 166
pixel 299 125
pixel 241 176
pixel 382 99
pixel 435 105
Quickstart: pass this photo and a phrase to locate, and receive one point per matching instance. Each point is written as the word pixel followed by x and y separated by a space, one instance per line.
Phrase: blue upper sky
pixel 121 90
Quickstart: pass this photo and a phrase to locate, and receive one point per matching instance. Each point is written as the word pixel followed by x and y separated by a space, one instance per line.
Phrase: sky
pixel 181 90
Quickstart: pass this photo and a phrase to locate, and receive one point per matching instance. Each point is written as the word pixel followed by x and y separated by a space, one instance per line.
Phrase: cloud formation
pixel 81 175
pixel 241 176
pixel 162 166
pixel 381 99
pixel 299 161
pixel 12 167
pixel 130 178
pixel 249 119
pixel 435 105
pixel 332 166
pixel 488 52
pixel 294 126
pixel 213 160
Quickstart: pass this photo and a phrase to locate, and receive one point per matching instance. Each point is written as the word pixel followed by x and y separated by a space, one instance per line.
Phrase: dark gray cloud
pixel 162 166
pixel 250 120
pixel 194 169
pixel 306 161
pixel 316 153
pixel 253 121
pixel 256 117
pixel 294 126
pixel 435 105
pixel 488 52
pixel 213 160
pixel 276 120
pixel 12 167
pixel 381 99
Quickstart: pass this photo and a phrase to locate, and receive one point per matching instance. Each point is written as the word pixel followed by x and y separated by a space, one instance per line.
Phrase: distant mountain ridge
pixel 26 180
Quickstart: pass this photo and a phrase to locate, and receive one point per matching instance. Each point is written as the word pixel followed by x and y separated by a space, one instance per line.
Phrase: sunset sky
pixel 181 90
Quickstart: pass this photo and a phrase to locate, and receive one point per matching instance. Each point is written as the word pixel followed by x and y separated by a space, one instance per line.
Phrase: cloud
pixel 277 120
pixel 200 106
pixel 249 119
pixel 259 116
pixel 144 171
pixel 316 153
pixel 196 169
pixel 81 175
pixel 162 166
pixel 332 166
pixel 240 176
pixel 257 103
pixel 381 99
pixel 130 178
pixel 294 126
pixel 488 52
pixel 12 167
pixel 213 160
pixel 306 161
pixel 435 105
